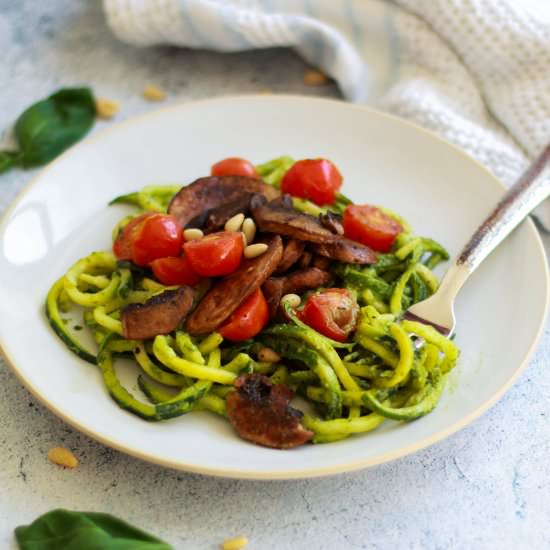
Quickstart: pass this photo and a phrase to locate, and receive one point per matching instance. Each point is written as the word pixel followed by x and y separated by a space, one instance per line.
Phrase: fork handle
pixel 527 193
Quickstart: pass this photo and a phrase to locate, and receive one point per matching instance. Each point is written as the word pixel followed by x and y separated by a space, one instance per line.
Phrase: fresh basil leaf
pixel 63 529
pixel 52 125
pixel 8 159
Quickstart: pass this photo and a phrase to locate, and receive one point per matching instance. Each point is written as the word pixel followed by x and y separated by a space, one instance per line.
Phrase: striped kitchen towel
pixel 476 72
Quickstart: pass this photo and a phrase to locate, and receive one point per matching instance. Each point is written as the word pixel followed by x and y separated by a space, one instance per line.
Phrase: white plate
pixel 63 215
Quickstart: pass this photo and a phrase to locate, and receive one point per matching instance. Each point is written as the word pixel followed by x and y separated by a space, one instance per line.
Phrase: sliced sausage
pixel 228 294
pixel 305 260
pixel 160 314
pixel 211 192
pixel 274 218
pixel 321 262
pixel 293 283
pixel 260 412
pixel 273 290
pixel 347 251
pixel 217 217
pixel 332 221
pixel 305 279
pixel 285 200
pixel 291 254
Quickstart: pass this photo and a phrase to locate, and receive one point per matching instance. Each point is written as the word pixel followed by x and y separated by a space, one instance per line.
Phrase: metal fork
pixel 527 193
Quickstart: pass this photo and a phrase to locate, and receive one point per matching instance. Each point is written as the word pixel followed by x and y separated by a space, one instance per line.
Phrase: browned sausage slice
pixel 296 282
pixel 213 191
pixel 228 294
pixel 217 217
pixel 332 221
pixel 273 290
pixel 274 218
pixel 160 314
pixel 321 262
pixel 347 251
pixel 260 412
pixel 291 254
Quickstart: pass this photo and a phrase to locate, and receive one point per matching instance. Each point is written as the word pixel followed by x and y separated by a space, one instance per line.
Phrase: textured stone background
pixel 486 487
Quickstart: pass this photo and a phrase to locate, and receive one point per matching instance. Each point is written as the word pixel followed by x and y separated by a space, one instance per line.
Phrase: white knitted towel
pixel 476 72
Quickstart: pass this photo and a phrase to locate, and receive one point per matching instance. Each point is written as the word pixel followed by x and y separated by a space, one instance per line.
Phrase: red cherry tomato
pixel 215 254
pixel 158 236
pixel 122 247
pixel 370 226
pixel 234 166
pixel 333 312
pixel 315 179
pixel 248 319
pixel 175 271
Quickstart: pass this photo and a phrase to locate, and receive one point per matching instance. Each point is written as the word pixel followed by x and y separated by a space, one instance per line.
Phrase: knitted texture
pixel 476 72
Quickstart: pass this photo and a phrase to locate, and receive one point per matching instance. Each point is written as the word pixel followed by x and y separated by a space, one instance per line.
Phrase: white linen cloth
pixel 476 72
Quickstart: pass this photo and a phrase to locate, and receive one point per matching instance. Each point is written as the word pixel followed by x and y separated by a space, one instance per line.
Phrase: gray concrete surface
pixel 486 487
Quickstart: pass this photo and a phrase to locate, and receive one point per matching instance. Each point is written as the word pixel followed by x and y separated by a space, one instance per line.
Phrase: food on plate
pixel 264 295
pixel 315 179
pixel 234 166
pixel 192 205
pixel 160 314
pixel 260 412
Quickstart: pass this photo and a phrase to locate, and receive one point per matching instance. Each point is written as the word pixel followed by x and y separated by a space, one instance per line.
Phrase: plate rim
pixel 323 471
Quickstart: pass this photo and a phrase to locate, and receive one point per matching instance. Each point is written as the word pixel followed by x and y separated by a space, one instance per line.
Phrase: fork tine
pixel 409 316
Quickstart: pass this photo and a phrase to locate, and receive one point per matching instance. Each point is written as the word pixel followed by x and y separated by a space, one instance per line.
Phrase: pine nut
pixel 106 108
pixel 234 223
pixel 293 300
pixel 254 250
pixel 153 93
pixel 62 457
pixel 315 78
pixel 237 543
pixel 268 355
pixel 249 230
pixel 192 234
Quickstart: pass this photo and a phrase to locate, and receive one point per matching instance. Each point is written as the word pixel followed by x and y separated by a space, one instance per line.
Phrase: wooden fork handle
pixel 527 193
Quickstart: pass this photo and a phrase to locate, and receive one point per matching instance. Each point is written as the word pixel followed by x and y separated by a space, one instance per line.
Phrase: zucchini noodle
pixel 389 369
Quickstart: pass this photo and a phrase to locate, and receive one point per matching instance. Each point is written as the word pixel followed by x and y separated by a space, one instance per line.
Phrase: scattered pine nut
pixel 62 457
pixel 234 223
pixel 245 241
pixel 237 543
pixel 154 93
pixel 192 234
pixel 315 78
pixel 249 230
pixel 255 250
pixel 269 355
pixel 106 108
pixel 293 300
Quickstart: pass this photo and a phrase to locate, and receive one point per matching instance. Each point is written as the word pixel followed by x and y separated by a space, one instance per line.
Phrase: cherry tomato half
pixel 175 271
pixel 370 226
pixel 158 236
pixel 333 312
pixel 123 245
pixel 248 319
pixel 215 254
pixel 315 179
pixel 234 166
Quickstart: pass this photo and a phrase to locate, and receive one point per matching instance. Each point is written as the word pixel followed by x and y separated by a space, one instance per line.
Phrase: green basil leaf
pixel 8 159
pixel 84 531
pixel 52 125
